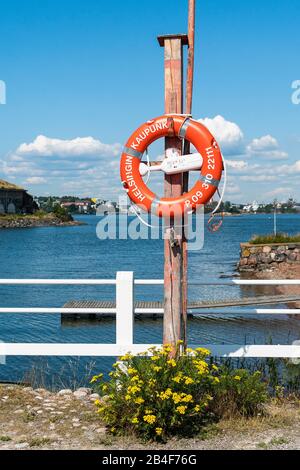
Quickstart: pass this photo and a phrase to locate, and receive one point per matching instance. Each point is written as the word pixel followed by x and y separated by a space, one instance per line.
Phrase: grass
pixel 39 441
pixel 5 438
pixel 271 238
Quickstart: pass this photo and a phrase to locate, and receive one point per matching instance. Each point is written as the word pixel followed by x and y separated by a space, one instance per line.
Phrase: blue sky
pixel 82 75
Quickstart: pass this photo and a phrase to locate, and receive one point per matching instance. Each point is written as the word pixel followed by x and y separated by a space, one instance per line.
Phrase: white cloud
pixel 279 192
pixel 232 188
pixel 228 134
pixel 264 143
pixel 44 146
pixel 258 178
pixel 36 180
pixel 266 147
pixel 237 164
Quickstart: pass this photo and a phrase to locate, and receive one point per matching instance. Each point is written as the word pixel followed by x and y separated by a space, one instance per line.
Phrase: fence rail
pixel 124 312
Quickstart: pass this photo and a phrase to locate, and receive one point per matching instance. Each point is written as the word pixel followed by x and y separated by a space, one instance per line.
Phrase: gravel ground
pixel 38 419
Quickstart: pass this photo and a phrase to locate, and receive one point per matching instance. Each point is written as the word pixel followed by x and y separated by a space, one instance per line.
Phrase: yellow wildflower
pixel 135 421
pixel 150 419
pixel 131 371
pixel 135 378
pixel 216 380
pixel 148 412
pixel 177 379
pixel 203 351
pixel 181 409
pixel 154 358
pixel 96 378
pixel 126 357
pixel 186 398
pixel 215 367
pixel 104 387
pixel 166 394
pixel 133 389
pixel 100 410
pixel 159 431
pixel 157 368
pixel 197 408
pixel 176 398
pixel 97 402
pixel 188 380
pixel 171 362
pixel 128 397
pixel 139 401
pixel 237 377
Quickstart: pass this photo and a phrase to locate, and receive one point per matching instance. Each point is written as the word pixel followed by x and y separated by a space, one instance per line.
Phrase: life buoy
pixel 185 128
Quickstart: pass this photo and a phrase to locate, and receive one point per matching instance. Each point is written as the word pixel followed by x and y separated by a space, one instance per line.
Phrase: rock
pixel 18 412
pixel 292 256
pixel 265 259
pixel 245 253
pixel 80 394
pixel 252 261
pixel 40 391
pixel 66 391
pixel 76 425
pixel 94 396
pixel 101 430
pixel 22 445
pixel 27 389
pixel 85 389
pixel 280 257
pixel 267 249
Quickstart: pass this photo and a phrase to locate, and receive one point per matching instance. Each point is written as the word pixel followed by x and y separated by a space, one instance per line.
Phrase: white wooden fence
pixel 125 310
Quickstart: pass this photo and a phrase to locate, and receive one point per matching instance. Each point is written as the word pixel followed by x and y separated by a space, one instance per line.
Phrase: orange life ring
pixel 183 127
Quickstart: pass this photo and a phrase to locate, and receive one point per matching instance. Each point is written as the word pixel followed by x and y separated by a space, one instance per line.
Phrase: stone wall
pixel 261 257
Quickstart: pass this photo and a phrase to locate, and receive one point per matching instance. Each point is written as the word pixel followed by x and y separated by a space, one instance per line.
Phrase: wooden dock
pixel 197 305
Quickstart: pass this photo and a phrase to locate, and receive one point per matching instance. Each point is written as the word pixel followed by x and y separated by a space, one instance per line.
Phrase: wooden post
pixel 172 330
pixel 186 151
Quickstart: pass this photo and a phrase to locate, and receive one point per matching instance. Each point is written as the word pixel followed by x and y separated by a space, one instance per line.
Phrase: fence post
pixel 124 308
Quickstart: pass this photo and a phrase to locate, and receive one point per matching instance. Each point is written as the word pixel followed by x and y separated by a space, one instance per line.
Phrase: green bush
pixel 271 238
pixel 62 213
pixel 40 213
pixel 157 397
pixel 239 392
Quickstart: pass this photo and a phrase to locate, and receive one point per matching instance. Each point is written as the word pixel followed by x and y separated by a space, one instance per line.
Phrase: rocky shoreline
pixel 38 419
pixel 254 258
pixel 16 222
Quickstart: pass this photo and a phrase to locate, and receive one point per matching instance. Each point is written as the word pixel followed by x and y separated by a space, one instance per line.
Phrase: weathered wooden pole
pixel 172 329
pixel 186 151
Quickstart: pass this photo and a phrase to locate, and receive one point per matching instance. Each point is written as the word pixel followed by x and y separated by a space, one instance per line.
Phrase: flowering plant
pixel 155 395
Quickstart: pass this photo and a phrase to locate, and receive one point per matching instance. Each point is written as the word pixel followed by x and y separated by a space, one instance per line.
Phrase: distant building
pixel 15 200
pixel 83 207
pixel 253 207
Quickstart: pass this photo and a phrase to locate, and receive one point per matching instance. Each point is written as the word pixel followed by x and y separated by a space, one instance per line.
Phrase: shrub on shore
pixel 155 397
pixel 271 238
